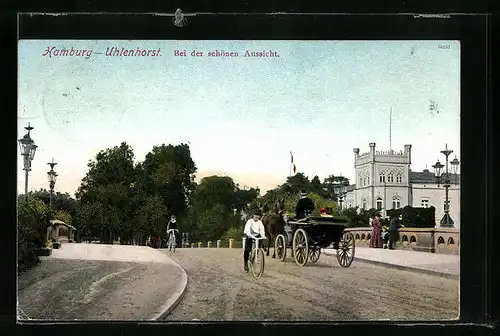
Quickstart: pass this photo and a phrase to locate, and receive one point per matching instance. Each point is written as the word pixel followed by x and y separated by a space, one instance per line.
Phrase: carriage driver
pixel 305 206
pixel 253 228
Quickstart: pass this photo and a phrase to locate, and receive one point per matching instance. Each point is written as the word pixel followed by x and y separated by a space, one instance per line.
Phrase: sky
pixel 241 116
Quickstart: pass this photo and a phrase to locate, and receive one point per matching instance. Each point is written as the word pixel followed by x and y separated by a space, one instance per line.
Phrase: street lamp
pixel 446 221
pixel 340 189
pixel 28 149
pixel 52 177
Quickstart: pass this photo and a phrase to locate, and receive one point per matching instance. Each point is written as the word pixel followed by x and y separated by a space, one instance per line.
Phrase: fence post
pixel 199 244
pixel 218 243
pixel 209 244
pixel 231 240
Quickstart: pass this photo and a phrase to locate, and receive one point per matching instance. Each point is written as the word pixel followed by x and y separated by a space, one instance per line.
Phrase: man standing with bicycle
pixel 253 229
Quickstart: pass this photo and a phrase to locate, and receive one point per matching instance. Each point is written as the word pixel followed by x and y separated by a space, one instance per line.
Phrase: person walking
pixel 376 238
pixel 394 226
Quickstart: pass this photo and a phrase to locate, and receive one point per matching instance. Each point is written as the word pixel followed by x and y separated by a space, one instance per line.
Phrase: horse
pixel 274 224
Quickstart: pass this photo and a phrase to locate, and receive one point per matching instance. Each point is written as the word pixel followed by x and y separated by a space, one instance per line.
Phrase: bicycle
pixel 171 239
pixel 257 252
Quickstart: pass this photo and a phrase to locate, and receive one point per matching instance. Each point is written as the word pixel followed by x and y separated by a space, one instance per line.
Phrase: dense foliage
pixel 416 217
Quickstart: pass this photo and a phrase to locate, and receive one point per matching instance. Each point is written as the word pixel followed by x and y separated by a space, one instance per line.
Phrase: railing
pixel 437 240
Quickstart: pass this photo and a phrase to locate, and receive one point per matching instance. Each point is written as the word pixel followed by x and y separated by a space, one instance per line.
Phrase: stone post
pixel 231 240
pixel 192 245
pixel 243 242
pixel 218 243
pixel 209 244
pixel 199 244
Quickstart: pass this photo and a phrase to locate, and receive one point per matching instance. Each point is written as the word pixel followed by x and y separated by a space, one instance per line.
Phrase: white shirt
pixel 253 228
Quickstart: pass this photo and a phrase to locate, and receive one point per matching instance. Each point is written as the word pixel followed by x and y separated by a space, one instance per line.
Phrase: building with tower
pixel 384 180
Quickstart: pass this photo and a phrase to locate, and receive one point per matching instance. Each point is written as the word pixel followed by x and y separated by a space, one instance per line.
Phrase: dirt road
pixel 218 289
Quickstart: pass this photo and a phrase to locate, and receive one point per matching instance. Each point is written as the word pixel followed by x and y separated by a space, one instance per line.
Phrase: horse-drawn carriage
pixel 306 237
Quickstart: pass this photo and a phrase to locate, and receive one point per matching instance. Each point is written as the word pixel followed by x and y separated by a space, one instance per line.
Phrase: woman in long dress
pixel 376 238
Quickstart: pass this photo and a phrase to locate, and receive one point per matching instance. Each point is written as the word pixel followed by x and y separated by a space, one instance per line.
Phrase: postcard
pixel 238 180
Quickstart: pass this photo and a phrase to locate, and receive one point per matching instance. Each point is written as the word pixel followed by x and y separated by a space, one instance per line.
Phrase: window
pixel 399 178
pixel 396 203
pixel 379 203
pixel 364 180
pixel 368 179
pixel 360 180
pixel 425 203
pixel 382 177
pixel 390 178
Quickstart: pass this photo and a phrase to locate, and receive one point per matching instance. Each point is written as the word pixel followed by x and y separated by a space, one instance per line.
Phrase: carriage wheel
pixel 314 254
pixel 280 246
pixel 300 247
pixel 257 262
pixel 345 252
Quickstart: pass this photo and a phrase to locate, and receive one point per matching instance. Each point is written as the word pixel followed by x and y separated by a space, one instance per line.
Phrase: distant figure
pixel 376 238
pixel 394 226
pixel 172 228
pixel 305 206
pixel 385 236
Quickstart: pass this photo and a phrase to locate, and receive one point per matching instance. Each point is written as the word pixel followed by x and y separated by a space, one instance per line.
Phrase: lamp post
pixel 28 149
pixel 446 221
pixel 340 189
pixel 52 177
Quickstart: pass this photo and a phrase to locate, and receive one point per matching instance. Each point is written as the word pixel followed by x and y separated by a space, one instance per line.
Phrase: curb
pixel 176 298
pixel 403 268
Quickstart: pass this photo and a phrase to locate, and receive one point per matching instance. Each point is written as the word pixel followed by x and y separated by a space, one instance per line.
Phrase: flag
pixel 291 157
pixel 294 168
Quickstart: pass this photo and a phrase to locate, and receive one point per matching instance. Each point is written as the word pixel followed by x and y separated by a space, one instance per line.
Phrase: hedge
pixel 416 217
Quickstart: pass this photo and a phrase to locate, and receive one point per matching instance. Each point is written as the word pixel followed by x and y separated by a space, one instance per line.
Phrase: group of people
pixel 254 228
pixel 383 237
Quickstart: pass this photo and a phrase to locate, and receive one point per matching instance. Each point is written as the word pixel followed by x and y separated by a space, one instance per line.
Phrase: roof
pixel 426 176
pixel 58 222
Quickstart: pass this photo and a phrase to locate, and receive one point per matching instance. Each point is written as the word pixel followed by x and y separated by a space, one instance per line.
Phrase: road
pixel 219 290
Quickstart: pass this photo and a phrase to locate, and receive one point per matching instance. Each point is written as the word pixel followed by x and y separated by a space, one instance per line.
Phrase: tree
pixel 33 216
pixel 316 185
pixel 213 223
pixel 329 183
pixel 169 172
pixel 152 216
pixel 111 166
pixel 294 184
pixel 106 192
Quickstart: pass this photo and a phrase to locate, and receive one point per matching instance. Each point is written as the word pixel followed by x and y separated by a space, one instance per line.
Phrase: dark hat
pixel 257 213
pixel 303 193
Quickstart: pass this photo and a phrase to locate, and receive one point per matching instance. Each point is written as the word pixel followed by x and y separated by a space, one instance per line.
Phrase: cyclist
pixel 171 227
pixel 253 229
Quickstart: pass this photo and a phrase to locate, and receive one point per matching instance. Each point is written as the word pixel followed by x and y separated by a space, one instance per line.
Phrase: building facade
pixel 384 180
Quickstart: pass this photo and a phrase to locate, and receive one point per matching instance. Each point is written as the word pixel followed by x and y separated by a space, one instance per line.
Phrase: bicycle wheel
pixel 257 260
